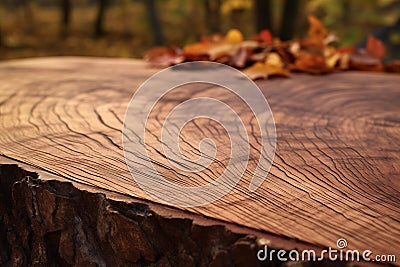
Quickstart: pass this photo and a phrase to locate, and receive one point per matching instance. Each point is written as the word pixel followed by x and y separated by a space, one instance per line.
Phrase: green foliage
pixel 352 20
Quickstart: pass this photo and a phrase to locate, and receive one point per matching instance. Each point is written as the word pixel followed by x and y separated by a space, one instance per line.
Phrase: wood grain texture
pixel 336 172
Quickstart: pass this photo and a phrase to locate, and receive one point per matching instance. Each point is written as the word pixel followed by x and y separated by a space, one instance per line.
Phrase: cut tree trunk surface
pixel 336 171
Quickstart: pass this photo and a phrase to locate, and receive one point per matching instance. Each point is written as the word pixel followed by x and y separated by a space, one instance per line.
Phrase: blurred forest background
pixel 126 28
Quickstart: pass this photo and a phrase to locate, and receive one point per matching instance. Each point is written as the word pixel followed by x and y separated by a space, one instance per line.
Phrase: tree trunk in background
pixel 213 15
pixel 347 12
pixel 154 22
pixel 1 37
pixel 27 14
pixel 263 14
pixel 289 16
pixel 98 26
pixel 65 16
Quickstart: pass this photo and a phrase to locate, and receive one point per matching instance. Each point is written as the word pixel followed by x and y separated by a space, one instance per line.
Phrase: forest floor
pixel 35 31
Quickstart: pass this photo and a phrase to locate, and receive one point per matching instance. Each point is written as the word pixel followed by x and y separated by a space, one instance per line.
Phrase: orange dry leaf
pixel 273 66
pixel 234 37
pixel 375 47
pixel 213 50
pixel 332 60
pixel 310 63
pixel 271 57
pixel 197 51
pixel 316 32
pixel 221 50
pixel 344 61
pixel 257 71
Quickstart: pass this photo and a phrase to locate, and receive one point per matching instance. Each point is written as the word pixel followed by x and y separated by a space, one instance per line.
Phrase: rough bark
pixel 52 223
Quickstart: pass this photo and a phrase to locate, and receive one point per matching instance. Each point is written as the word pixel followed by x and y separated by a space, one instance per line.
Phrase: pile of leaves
pixel 265 56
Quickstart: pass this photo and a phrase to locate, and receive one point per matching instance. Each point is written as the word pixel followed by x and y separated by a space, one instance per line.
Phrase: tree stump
pixel 336 172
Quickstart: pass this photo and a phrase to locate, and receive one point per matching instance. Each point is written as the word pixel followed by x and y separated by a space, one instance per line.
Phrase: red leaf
pixel 362 60
pixel 163 56
pixel 375 47
pixel 264 36
pixel 205 39
pixel 393 66
pixel 346 49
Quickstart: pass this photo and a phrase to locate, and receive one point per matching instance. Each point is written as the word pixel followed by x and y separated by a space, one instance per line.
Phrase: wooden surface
pixel 336 172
